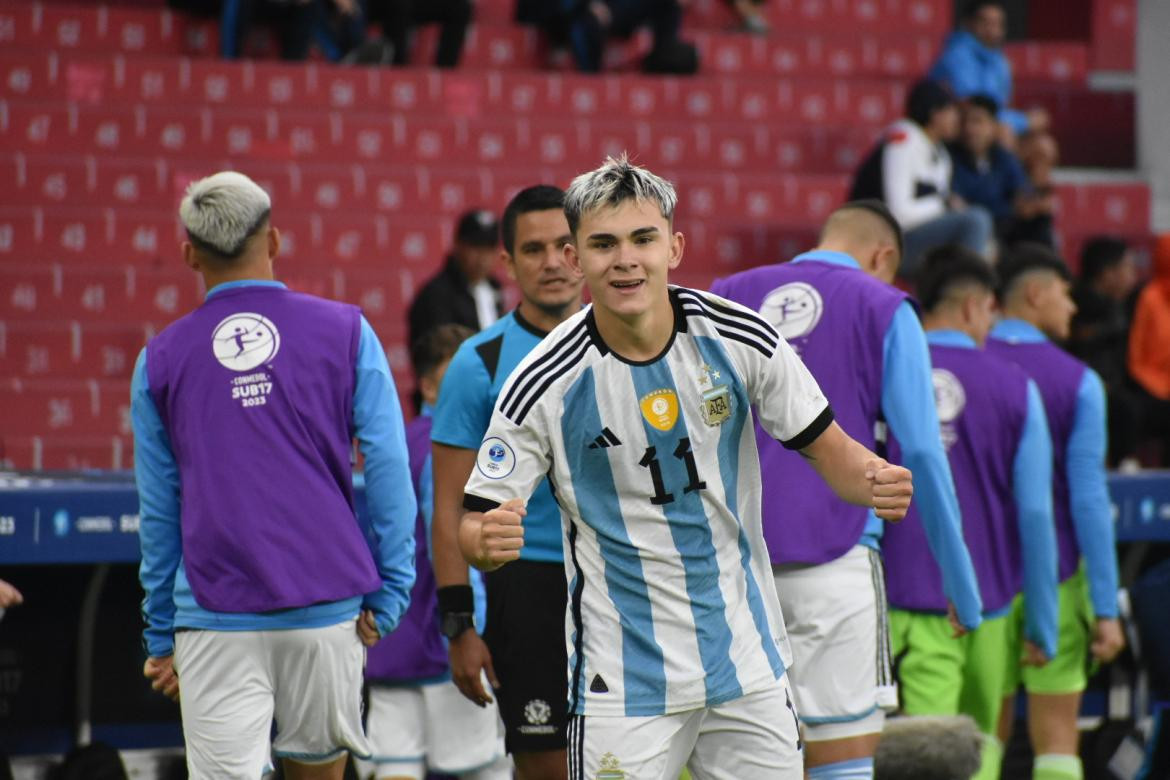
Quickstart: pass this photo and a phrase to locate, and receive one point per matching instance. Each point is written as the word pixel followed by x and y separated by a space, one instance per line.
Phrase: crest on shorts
pixel 660 408
pixel 610 768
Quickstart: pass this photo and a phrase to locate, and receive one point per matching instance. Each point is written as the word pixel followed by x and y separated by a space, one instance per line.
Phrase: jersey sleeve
pixel 788 401
pixel 464 408
pixel 511 460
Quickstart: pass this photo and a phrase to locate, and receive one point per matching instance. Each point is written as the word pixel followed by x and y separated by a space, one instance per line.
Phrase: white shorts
pixel 413 728
pixel 754 737
pixel 233 683
pixel 836 615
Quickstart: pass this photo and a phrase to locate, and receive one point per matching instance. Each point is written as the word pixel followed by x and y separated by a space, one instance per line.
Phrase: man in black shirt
pixel 464 291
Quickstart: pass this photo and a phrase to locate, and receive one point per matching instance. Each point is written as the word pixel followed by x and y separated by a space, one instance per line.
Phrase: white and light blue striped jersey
pixel 672 605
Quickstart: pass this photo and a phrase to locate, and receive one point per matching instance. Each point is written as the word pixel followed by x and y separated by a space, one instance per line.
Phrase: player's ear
pixel 572 257
pixel 273 242
pixel 190 257
pixel 677 245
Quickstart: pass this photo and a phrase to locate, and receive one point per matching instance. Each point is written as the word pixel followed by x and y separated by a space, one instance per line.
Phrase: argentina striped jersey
pixel 671 600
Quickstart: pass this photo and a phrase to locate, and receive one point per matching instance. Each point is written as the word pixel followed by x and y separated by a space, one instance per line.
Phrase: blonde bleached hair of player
pixel 222 212
pixel 616 181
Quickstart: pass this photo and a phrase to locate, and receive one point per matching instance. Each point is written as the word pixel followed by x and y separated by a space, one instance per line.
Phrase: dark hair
pixel 880 210
pixel 1023 259
pixel 542 197
pixel 948 267
pixel 972 9
pixel 1099 254
pixel 437 345
pixel 985 102
pixel 925 98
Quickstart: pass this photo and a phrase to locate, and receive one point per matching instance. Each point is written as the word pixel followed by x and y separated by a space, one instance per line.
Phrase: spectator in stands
pixel 986 174
pixel 464 291
pixel 973 63
pixel 296 22
pixel 911 171
pixel 399 18
pixel 1149 347
pixel 1100 334
pixel 751 16
pixel 586 26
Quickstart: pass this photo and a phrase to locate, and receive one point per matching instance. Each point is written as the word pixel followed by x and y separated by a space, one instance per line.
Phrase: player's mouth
pixel 628 286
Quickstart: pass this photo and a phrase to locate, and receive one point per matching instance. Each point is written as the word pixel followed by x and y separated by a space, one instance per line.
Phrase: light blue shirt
pixel 907 404
pixel 1092 513
pixel 377 418
pixel 1031 467
pixel 970 68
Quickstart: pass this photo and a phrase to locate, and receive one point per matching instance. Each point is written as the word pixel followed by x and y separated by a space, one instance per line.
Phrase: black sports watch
pixel 452 624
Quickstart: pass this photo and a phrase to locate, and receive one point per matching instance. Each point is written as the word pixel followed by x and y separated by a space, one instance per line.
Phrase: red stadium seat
pixel 66 452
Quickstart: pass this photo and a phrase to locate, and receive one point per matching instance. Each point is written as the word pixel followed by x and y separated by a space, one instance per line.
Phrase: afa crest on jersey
pixel 660 408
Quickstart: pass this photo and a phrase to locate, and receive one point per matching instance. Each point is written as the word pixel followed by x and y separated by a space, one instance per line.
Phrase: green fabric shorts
pixel 1069 671
pixel 938 675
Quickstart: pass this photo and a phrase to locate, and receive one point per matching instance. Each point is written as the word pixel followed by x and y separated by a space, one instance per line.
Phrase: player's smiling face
pixel 625 253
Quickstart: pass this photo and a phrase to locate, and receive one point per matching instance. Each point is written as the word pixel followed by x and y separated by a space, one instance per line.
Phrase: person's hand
pixel 9 595
pixel 161 673
pixel 957 628
pixel 955 202
pixel 1033 655
pixel 347 7
pixel 497 536
pixel 1108 640
pixel 469 657
pixel 367 628
pixel 891 488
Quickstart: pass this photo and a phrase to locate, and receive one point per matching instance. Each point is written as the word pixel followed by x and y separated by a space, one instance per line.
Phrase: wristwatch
pixel 452 624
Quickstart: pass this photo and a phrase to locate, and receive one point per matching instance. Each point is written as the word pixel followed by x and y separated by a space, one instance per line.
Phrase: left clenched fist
pixel 892 488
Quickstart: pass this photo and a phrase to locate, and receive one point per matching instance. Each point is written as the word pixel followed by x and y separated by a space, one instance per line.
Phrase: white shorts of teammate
pixel 233 683
pixel 836 616
pixel 754 737
pixel 420 727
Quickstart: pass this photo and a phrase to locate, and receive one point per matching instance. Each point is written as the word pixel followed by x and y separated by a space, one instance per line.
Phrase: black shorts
pixel 526 636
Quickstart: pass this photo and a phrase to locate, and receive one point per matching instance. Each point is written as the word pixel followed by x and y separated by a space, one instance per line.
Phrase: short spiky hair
pixel 616 181
pixel 948 268
pixel 222 212
pixel 1026 258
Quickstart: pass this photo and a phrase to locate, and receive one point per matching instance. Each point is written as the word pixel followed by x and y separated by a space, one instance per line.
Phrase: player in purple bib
pixel 261 586
pixel 1037 307
pixel 996 436
pixel 860 337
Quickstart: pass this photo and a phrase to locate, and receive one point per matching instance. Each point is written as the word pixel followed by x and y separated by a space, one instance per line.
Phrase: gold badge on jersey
pixel 716 405
pixel 716 398
pixel 660 408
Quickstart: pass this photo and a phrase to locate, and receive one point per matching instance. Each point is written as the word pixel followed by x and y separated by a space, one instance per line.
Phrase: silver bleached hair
pixel 617 180
pixel 222 211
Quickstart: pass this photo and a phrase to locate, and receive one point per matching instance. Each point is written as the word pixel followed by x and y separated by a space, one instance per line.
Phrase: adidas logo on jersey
pixel 606 439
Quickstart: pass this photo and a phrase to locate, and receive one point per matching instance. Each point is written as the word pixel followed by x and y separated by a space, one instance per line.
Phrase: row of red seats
pixel 65 452
pixel 119 84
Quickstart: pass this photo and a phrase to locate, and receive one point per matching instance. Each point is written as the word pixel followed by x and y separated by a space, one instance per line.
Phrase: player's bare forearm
pixel 488 540
pixel 859 476
pixel 451 466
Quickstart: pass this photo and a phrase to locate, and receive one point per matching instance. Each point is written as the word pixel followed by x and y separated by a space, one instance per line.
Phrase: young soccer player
pixel 861 339
pixel 418 719
pixel 261 587
pixel 639 410
pixel 521 652
pixel 1037 310
pixel 996 436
